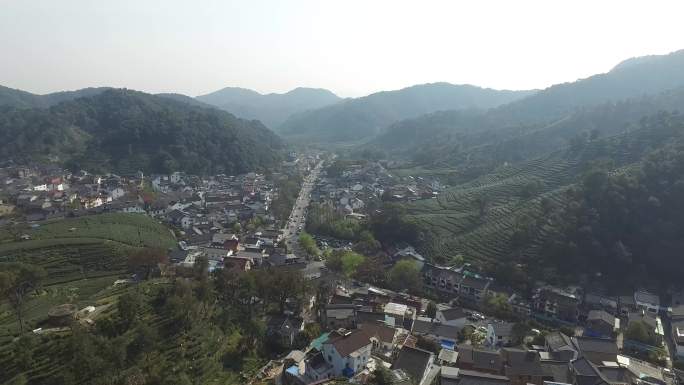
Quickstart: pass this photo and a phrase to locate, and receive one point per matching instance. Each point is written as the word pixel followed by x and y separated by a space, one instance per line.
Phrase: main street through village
pixel 297 220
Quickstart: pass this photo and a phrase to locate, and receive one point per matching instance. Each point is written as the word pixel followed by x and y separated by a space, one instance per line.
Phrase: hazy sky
pixel 350 47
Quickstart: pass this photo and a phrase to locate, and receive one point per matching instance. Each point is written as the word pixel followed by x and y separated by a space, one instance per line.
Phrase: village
pixel 466 328
pixel 463 329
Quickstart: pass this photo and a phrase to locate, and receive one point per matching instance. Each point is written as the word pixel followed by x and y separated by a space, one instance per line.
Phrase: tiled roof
pixel 601 315
pixel 349 343
pixel 471 377
pixel 503 328
pixel 559 371
pixel 413 361
pixel 425 326
pixel 453 313
pixel 558 341
pixel 596 345
pixel 521 362
pixel 480 359
pixel 380 331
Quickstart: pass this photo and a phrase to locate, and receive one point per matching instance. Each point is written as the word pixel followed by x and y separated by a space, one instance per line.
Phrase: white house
pixel 132 207
pixel 678 337
pixel 186 222
pixel 356 203
pixel 216 253
pixel 115 193
pixel 499 334
pixel 175 177
pixel 347 352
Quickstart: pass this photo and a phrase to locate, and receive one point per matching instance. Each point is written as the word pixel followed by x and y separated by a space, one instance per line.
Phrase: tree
pixel 128 307
pixel 372 271
pixel 404 275
pixel 237 227
pixel 638 331
pixel 146 259
pixel 351 262
pixel 284 285
pixel 17 282
pixel 345 262
pixel 144 342
pixel 381 376
pixel 307 243
pixel 312 331
pixel 482 203
pixel 498 306
pixel 431 310
pixel 519 332
pixel 367 244
pixel 429 344
pixel 23 351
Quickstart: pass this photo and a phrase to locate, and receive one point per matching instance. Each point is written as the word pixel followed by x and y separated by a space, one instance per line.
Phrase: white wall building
pixel 347 352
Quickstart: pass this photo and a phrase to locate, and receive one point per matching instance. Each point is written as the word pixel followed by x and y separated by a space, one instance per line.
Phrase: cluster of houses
pixel 367 328
pixel 44 192
pixel 226 219
pixel 40 192
pixel 240 253
pixel 351 192
pixel 595 314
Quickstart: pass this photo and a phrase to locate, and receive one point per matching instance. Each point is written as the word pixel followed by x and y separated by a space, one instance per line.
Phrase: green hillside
pixel 125 131
pixel 505 215
pixel 182 329
pixel 81 256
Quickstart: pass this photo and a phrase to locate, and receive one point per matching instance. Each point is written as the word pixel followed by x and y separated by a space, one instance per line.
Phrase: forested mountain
pixel 355 119
pixel 185 99
pixel 604 207
pixel 128 130
pixel 548 118
pixel 22 99
pixel 271 109
pixel 576 183
pixel 478 144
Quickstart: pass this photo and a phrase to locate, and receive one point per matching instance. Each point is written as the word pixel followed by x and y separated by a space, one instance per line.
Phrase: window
pixel 329 358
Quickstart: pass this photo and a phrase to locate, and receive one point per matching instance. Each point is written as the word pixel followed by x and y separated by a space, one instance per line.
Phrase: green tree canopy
pixel 17 282
pixel 405 275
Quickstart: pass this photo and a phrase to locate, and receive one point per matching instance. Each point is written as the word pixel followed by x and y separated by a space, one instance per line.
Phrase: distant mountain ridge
pixel 21 99
pixel 360 118
pixel 17 98
pixel 531 117
pixel 271 109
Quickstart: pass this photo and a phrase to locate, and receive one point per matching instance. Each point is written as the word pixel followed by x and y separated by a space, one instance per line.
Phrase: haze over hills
pixel 560 108
pixel 271 109
pixel 126 130
pixel 22 99
pixel 360 118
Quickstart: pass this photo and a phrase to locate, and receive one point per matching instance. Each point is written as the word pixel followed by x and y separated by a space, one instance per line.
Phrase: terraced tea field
pixel 455 221
pixel 82 257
